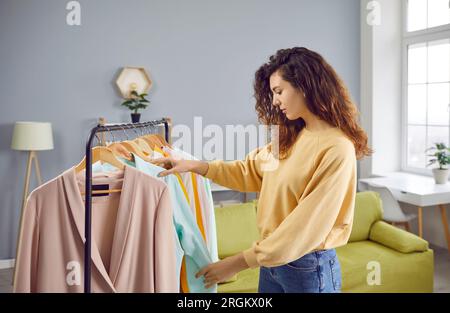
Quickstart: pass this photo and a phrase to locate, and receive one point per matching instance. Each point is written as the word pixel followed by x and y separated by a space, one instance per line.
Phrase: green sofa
pixel 378 257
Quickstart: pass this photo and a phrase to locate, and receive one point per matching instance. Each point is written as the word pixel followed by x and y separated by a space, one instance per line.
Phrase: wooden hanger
pixel 119 150
pixel 101 154
pixel 150 141
pixel 156 139
pixel 162 140
pixel 131 146
pixel 143 145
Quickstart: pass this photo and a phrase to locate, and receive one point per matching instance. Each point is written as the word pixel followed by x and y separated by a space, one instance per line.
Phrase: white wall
pixel 387 88
pixel 381 86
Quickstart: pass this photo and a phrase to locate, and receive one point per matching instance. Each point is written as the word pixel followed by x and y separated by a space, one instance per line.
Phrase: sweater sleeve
pixel 330 192
pixel 242 175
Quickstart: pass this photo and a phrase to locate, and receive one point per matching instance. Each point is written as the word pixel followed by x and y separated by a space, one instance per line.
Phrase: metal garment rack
pixel 88 196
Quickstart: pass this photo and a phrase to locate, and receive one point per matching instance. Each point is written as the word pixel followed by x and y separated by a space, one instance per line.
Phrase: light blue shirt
pixel 212 234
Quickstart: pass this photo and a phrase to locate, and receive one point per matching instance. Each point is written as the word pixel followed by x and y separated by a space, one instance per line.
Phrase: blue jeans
pixel 315 272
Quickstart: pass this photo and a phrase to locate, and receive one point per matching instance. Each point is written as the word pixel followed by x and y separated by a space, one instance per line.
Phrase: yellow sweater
pixel 306 200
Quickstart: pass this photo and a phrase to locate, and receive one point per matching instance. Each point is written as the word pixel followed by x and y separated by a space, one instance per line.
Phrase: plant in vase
pixel 136 102
pixel 442 157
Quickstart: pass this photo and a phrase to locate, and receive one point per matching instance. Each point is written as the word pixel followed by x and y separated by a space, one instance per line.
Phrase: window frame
pixel 410 38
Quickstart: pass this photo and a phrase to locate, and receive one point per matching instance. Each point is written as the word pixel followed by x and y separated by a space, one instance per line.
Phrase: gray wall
pixel 201 54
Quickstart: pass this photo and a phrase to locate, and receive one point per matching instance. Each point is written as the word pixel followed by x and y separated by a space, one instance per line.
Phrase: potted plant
pixel 134 103
pixel 442 157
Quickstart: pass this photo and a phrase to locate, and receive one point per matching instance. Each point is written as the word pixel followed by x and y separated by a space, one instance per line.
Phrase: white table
pixel 218 188
pixel 417 190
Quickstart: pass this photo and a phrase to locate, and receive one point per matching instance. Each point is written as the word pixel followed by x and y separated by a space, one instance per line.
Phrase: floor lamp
pixel 31 137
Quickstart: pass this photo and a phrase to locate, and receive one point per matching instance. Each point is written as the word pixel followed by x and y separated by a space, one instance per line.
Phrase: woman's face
pixel 291 101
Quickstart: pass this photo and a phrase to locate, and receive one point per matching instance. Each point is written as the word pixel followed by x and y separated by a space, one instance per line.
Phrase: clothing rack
pixel 102 128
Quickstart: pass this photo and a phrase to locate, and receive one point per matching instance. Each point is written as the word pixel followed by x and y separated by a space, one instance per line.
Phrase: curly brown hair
pixel 325 94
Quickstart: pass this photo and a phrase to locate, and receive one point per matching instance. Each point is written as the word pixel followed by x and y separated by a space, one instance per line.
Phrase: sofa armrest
pixel 396 238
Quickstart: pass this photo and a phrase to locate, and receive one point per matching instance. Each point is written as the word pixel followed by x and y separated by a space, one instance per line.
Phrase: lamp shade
pixel 32 136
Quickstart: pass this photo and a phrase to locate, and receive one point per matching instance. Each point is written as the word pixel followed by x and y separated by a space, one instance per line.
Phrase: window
pixel 426 79
pixel 424 14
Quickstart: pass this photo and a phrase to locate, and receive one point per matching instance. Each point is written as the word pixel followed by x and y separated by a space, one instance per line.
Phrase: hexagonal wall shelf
pixel 133 78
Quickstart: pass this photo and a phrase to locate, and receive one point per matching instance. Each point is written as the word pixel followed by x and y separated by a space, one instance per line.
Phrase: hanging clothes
pixel 189 180
pixel 178 250
pixel 196 254
pixel 206 202
pixel 132 236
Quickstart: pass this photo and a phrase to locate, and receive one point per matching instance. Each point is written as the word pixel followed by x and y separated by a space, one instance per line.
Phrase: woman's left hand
pixel 221 271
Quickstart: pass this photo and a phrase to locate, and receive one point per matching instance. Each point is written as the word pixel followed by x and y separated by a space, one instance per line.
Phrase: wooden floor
pixel 441 269
pixel 441 273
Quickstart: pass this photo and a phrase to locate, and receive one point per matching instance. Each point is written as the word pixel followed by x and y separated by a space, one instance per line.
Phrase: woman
pixel 307 192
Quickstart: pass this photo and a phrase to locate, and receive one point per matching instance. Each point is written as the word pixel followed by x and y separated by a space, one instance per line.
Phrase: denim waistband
pixel 325 255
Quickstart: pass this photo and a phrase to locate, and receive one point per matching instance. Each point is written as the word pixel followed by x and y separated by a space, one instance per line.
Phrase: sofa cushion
pixel 362 261
pixel 396 238
pixel 236 228
pixel 368 210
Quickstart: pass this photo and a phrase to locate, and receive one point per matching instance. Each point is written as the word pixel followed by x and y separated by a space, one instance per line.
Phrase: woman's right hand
pixel 173 165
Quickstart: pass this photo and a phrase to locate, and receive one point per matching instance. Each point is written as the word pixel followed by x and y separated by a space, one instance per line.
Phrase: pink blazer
pixel 132 236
